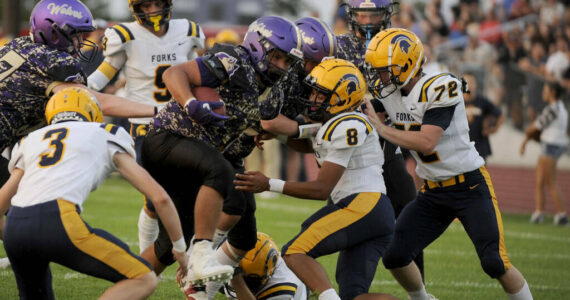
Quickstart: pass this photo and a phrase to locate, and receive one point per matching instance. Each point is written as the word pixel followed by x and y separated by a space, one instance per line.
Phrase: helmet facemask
pixel 369 29
pixel 153 20
pixel 274 72
pixel 383 81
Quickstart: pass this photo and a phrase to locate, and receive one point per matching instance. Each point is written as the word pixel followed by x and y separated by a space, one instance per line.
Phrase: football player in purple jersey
pixel 196 152
pixel 36 66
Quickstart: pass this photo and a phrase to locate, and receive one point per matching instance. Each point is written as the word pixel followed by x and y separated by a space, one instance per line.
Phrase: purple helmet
pixel 54 22
pixel 318 39
pixel 272 33
pixel 382 7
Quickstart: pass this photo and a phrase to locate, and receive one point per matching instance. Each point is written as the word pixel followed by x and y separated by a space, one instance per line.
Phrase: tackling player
pixel 262 274
pixel 350 160
pixel 366 19
pixel 428 113
pixel 53 170
pixel 201 182
pixel 144 49
pixel 36 66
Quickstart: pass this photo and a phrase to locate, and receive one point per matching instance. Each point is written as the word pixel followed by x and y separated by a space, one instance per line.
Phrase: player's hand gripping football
pixel 202 112
pixel 252 181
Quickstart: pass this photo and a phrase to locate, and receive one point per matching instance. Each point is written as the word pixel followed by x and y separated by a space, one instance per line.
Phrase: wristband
pixel 180 245
pixel 189 100
pixel 276 185
pixel 308 130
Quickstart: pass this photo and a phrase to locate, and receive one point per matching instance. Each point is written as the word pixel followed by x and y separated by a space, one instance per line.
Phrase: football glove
pixel 202 111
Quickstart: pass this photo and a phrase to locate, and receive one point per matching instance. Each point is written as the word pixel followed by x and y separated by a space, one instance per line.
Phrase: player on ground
pixel 36 66
pixel 144 49
pixel 262 274
pixel 53 170
pixel 350 159
pixel 428 113
pixel 200 182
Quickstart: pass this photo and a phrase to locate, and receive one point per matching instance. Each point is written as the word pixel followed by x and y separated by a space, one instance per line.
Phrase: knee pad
pixel 493 265
pixel 394 258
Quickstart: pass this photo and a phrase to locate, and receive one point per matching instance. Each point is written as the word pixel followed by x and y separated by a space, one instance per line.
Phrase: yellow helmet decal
pixel 73 104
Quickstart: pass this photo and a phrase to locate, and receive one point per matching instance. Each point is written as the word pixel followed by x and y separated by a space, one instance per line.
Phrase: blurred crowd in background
pixel 511 47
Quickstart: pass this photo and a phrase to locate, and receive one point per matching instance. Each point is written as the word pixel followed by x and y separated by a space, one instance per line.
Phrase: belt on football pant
pixel 445 183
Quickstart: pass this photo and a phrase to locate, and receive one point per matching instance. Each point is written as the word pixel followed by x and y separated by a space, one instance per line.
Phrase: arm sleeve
pixel 209 78
pixel 440 116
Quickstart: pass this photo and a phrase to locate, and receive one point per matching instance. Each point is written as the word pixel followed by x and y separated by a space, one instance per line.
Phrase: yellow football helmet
pixel 259 263
pixel 73 104
pixel 341 83
pixel 397 52
pixel 151 20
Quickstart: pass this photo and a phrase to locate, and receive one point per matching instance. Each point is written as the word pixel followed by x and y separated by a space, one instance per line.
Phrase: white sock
pixel 329 294
pixel 420 294
pixel 213 287
pixel 219 236
pixel 523 294
pixel 148 230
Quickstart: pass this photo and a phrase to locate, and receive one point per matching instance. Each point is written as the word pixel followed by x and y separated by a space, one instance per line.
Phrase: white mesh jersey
pixel 144 57
pixel 66 160
pixel 454 153
pixel 349 140
pixel 282 285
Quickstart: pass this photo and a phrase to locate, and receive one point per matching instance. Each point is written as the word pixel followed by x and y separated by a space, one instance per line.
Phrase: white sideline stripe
pixel 457 226
pixel 516 254
pixel 455 284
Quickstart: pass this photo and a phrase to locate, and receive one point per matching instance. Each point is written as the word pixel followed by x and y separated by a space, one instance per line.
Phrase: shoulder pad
pixel 347 131
pixel 441 90
pixel 115 38
pixel 194 30
pixel 119 136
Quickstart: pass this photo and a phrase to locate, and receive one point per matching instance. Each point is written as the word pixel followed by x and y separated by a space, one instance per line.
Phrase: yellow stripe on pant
pixel 96 246
pixel 359 207
pixel 502 246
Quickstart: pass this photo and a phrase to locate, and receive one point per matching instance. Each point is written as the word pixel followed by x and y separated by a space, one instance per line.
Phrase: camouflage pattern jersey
pixel 28 73
pixel 284 96
pixel 353 49
pixel 229 70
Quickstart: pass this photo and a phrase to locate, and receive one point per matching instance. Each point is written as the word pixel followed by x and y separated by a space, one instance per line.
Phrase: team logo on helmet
pixel 353 84
pixel 309 40
pixel 404 42
pixel 260 27
pixel 64 9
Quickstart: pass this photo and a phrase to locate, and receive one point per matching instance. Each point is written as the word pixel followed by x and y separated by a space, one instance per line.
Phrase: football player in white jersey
pixel 262 274
pixel 53 171
pixel 350 160
pixel 144 49
pixel 428 113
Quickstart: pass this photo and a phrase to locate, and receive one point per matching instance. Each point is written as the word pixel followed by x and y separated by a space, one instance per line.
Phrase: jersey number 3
pixel 56 137
pixel 162 95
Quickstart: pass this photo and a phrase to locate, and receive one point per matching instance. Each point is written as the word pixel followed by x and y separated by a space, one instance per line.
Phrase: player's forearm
pixel 241 289
pixel 180 78
pixel 281 125
pixel 9 189
pixel 411 140
pixel 116 106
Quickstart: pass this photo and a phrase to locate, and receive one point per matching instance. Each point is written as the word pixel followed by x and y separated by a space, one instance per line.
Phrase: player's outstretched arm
pixel 319 189
pixel 8 191
pixel 180 78
pixel 142 181
pixel 113 105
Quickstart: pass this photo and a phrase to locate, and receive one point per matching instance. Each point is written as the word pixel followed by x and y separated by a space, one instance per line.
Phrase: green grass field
pixel 542 253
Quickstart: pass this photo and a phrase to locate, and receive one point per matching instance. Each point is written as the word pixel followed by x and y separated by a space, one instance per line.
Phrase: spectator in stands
pixel 551 125
pixel 558 62
pixel 483 116
pixel 533 66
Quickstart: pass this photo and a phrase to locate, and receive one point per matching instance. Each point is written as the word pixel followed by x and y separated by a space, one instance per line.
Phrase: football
pixel 204 93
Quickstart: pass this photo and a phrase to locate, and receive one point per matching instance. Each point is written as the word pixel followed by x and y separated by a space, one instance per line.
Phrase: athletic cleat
pixel 204 267
pixel 537 217
pixel 561 219
pixel 192 292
